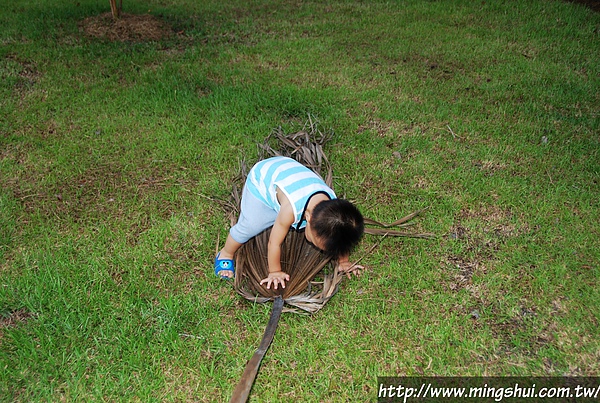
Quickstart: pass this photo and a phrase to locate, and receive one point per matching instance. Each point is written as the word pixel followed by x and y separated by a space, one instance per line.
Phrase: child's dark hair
pixel 339 224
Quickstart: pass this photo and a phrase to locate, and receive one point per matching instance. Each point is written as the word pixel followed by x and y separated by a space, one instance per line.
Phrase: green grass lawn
pixel 110 154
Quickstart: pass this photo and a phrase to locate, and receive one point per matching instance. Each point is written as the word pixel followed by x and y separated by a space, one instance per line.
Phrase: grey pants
pixel 255 217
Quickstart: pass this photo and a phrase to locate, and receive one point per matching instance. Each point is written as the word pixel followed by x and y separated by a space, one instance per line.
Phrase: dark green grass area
pixel 114 155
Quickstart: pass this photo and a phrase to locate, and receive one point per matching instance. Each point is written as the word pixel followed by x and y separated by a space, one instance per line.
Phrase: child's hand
pixel 349 268
pixel 276 278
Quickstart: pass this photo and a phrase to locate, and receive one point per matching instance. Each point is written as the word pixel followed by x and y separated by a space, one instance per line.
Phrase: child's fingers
pixel 354 270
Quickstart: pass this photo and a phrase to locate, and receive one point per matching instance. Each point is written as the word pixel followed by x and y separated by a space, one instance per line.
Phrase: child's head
pixel 338 225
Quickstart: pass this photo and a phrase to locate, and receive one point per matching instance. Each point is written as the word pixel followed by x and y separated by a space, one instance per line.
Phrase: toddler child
pixel 283 193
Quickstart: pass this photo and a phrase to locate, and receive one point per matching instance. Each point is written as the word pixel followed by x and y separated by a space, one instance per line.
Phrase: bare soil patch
pixel 128 28
pixel 13 319
pixel 592 4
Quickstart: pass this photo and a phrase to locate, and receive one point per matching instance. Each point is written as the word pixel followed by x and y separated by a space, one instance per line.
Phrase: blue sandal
pixel 224 264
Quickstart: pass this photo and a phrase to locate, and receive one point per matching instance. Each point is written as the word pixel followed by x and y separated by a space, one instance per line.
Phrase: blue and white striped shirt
pixel 297 182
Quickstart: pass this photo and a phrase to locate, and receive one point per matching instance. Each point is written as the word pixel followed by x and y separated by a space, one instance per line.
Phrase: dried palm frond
pixel 305 146
pixel 299 258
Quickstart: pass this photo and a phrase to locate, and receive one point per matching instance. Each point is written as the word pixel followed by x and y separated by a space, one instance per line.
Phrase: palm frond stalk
pixel 242 390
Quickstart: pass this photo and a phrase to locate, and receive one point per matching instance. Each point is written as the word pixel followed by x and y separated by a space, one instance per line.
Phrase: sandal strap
pixel 224 264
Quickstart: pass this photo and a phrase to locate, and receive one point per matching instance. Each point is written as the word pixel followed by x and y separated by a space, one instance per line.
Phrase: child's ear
pixel 307 215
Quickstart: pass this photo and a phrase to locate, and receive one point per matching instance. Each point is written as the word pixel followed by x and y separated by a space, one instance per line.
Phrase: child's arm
pixel 280 229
